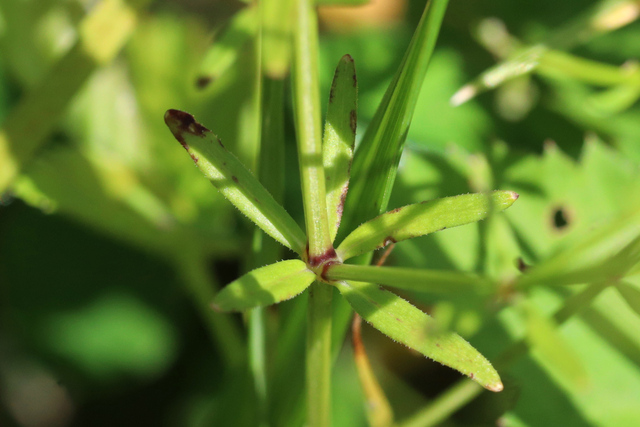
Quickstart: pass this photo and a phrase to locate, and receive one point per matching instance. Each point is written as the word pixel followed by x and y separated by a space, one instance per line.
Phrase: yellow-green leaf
pixel 403 322
pixel 265 286
pixel 423 218
pixel 235 181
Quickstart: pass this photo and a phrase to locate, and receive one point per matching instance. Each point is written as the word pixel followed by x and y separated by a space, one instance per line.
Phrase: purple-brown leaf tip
pixel 180 122
pixel 514 196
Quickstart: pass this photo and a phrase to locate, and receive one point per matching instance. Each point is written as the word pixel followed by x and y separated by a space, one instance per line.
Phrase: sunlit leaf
pixel 339 138
pixel 423 218
pixel 265 286
pixel 403 322
pixel 376 161
pixel 234 181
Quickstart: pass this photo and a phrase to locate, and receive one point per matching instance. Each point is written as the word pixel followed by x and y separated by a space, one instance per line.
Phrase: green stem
pixel 319 355
pixel 465 391
pixel 307 115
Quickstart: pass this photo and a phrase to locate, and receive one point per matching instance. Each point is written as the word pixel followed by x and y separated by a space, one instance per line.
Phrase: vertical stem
pixel 307 115
pixel 319 355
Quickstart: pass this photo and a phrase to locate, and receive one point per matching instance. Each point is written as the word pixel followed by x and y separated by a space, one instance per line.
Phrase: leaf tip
pixel 514 195
pixel 464 94
pixel 496 387
pixel 180 122
pixel 347 58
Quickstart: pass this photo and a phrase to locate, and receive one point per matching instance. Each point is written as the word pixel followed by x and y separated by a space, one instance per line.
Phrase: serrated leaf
pixel 630 294
pixel 410 279
pixel 376 161
pixel 265 286
pixel 403 322
pixel 235 181
pixel 225 49
pixel 543 336
pixel 339 139
pixel 423 218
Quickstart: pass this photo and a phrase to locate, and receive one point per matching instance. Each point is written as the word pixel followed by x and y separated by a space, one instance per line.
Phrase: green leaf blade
pixel 403 322
pixel 440 282
pixel 265 286
pixel 339 139
pixel 376 161
pixel 235 181
pixel 423 218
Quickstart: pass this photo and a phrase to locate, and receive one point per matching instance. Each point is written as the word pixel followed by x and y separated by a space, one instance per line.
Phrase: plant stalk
pixel 308 132
pixel 318 370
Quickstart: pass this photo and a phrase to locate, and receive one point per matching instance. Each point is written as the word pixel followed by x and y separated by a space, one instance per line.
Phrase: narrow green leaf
pixel 423 218
pixel 630 294
pixel 308 132
pixel 543 336
pixel 225 49
pixel 376 161
pixel 403 322
pixel 339 139
pixel 265 286
pixel 235 181
pixel 410 279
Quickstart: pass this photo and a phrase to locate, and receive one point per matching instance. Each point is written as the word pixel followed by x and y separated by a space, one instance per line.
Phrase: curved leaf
pixel 265 286
pixel 423 218
pixel 403 322
pixel 235 181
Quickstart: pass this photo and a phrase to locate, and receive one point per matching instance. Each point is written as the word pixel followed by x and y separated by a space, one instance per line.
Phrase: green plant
pixel 110 244
pixel 327 164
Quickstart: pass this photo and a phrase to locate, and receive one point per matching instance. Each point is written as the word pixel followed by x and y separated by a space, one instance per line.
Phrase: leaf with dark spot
pixel 339 138
pixel 235 181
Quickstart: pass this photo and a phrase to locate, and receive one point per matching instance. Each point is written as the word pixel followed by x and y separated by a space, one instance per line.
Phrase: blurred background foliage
pixel 112 243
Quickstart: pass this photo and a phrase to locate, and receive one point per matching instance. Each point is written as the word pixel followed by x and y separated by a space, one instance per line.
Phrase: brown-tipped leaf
pixel 403 322
pixel 234 181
